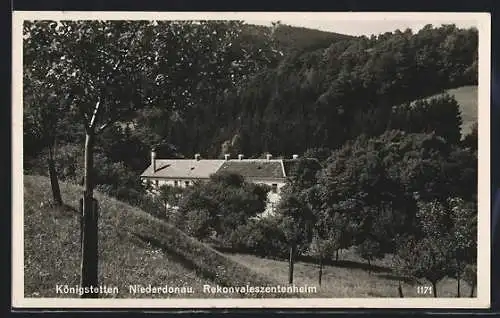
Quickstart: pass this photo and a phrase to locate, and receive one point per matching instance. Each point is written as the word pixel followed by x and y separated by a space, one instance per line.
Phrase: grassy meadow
pixel 350 277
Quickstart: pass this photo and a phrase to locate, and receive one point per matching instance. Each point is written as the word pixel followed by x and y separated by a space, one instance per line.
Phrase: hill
pixel 290 37
pixel 134 248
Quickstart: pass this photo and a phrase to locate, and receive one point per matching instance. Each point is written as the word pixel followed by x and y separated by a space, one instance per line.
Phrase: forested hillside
pixel 317 90
pixel 323 97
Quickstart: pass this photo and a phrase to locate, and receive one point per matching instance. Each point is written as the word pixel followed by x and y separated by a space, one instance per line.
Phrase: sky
pixel 365 27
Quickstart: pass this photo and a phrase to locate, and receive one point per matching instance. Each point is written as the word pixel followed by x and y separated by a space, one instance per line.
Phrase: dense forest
pixel 325 96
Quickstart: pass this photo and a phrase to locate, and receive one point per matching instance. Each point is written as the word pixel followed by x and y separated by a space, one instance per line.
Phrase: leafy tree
pixel 229 201
pixel 426 258
pixel 198 223
pixel 170 196
pixel 296 224
pixel 334 227
pixel 471 139
pixel 359 193
pixel 463 236
pixel 370 250
pixel 96 66
pixel 431 253
pixel 42 119
pixel 44 102
pixel 261 236
pixel 440 115
pixel 470 276
pixel 321 154
pixel 322 248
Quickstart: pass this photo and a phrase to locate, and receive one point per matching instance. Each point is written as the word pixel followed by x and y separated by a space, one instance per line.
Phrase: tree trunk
pixel 400 290
pixel 89 232
pixel 290 265
pixel 89 164
pixel 472 290
pixel 458 284
pixel 369 267
pixel 320 274
pixel 54 182
pixel 336 255
pixel 434 289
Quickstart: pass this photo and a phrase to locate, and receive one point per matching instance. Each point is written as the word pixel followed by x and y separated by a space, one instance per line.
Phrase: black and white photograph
pixel 261 159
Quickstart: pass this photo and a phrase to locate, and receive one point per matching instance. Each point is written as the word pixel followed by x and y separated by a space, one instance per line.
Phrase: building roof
pixel 183 168
pixel 204 168
pixel 254 168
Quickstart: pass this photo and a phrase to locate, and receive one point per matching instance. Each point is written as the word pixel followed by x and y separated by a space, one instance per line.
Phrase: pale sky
pixel 366 27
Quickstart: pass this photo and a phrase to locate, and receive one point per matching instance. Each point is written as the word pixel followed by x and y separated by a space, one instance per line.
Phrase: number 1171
pixel 424 290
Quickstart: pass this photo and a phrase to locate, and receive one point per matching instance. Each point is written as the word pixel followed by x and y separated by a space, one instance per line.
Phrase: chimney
pixel 240 157
pixel 197 157
pixel 295 157
pixel 153 159
pixel 269 156
pixel 226 156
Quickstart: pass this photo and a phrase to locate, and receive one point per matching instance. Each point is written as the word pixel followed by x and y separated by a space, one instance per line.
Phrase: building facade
pixel 185 172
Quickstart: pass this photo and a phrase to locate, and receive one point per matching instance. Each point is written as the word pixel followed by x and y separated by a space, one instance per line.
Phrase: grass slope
pixel 350 277
pixel 134 248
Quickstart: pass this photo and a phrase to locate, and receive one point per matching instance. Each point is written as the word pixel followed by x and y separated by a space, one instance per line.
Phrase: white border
pixel 483 285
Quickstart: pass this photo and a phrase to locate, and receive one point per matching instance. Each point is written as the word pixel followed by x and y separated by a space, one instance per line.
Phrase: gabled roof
pixel 183 168
pixel 203 168
pixel 254 168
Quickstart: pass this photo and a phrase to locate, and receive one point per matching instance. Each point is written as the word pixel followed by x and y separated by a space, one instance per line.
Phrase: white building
pixel 185 172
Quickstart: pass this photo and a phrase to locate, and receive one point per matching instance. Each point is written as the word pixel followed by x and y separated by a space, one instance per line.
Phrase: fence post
pixel 89 245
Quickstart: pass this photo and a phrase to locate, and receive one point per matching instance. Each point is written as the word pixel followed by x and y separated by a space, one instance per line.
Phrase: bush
pixel 261 237
pixel 198 223
pixel 370 250
pixel 227 201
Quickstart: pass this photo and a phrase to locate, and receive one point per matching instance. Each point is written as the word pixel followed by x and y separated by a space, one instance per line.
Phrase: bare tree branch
pixel 95 114
pixel 106 125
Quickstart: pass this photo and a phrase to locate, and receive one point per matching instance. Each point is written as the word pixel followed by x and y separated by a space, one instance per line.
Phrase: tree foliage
pixel 227 202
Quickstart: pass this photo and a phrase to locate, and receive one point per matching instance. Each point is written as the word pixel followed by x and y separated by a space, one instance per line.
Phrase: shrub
pixel 370 250
pixel 261 237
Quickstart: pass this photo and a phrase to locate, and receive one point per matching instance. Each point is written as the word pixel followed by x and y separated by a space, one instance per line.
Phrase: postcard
pixel 251 160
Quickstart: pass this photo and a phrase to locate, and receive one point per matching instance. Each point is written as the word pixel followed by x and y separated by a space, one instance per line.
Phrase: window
pixel 186 183
pixel 176 183
pixel 274 188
